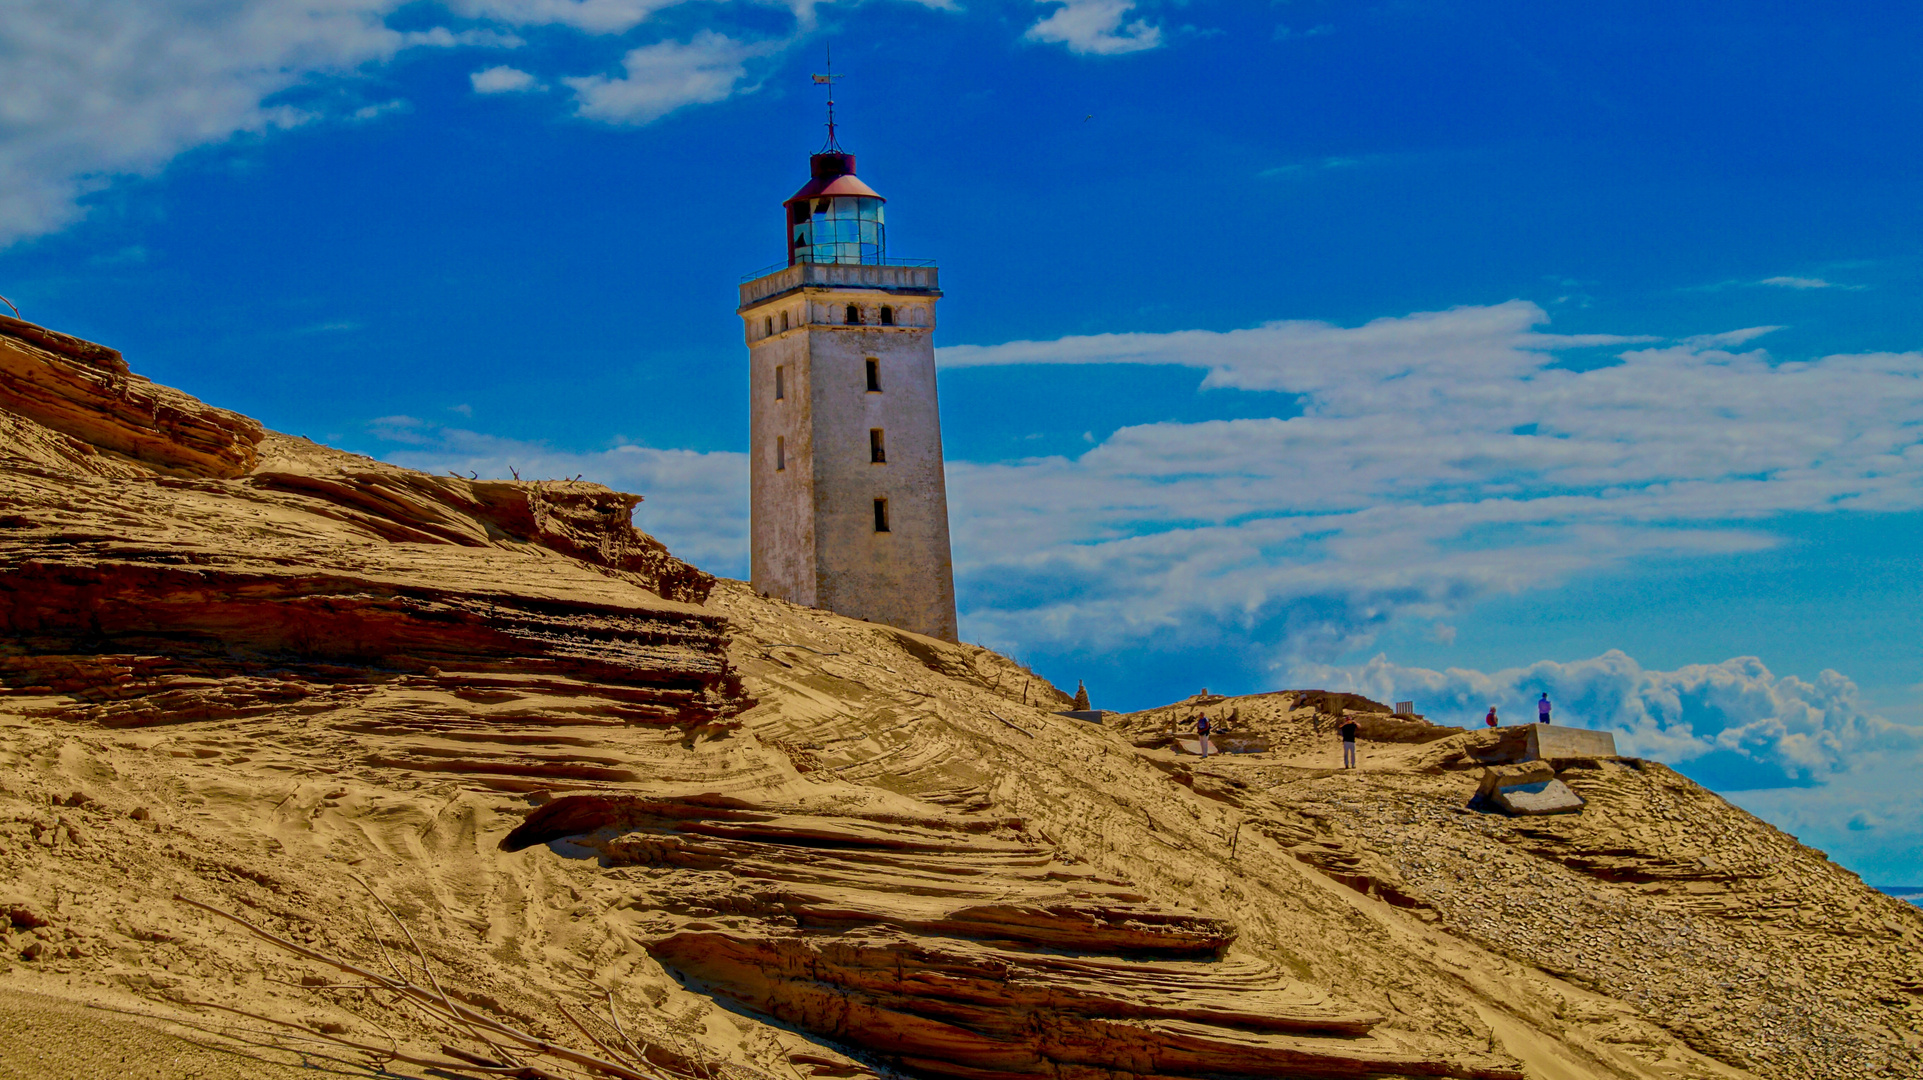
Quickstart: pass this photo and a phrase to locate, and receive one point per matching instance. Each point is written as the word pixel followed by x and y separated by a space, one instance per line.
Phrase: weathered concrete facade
pixel 832 394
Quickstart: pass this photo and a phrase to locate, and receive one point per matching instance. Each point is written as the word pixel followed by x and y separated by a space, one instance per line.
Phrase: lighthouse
pixel 849 500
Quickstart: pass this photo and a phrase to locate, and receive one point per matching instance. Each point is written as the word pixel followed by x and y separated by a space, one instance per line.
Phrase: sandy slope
pixel 258 672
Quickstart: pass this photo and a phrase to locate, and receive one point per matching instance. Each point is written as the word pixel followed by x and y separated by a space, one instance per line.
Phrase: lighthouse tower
pixel 850 507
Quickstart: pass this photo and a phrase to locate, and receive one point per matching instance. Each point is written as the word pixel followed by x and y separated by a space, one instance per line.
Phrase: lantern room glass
pixel 843 229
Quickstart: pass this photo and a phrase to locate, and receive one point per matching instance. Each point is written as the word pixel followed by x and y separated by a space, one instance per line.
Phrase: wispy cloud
pixel 1096 27
pixel 1303 167
pixel 1782 281
pixel 1437 458
pixel 663 77
pixel 99 89
pixel 378 109
pixel 1804 283
pixel 1728 339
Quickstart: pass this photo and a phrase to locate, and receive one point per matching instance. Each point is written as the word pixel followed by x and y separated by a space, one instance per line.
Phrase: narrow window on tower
pixel 768 326
pixel 781 388
pixel 874 375
pixel 881 515
pixel 876 452
pixel 781 453
pixel 852 316
pixel 887 315
pixel 784 320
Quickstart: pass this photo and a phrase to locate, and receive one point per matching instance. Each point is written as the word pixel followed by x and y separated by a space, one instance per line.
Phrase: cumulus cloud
pixel 503 80
pixel 663 77
pixel 696 503
pixel 1096 27
pixel 92 90
pixel 1751 727
pixel 1432 460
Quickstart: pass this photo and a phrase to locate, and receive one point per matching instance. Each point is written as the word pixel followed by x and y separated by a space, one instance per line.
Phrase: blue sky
pixel 1446 351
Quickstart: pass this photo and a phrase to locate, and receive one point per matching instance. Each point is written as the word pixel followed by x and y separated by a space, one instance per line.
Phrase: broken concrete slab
pixel 1497 777
pixel 1526 788
pixel 1543 797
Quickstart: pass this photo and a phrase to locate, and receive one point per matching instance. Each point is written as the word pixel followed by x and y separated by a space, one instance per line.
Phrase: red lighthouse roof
pixel 833 174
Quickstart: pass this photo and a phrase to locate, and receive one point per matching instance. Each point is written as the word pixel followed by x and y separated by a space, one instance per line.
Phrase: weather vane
pixel 828 80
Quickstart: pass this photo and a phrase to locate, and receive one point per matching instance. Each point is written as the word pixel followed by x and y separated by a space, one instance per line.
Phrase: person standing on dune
pixel 1542 709
pixel 1202 729
pixel 1348 730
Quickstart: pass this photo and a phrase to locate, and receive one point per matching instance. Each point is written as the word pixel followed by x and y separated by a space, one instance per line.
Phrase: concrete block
pixel 1547 742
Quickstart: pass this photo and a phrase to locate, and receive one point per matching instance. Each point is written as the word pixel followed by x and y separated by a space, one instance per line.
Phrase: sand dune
pixel 258 672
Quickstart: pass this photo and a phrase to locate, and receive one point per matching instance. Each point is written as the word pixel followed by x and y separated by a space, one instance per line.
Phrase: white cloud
pixel 696 503
pixel 1437 459
pixel 614 16
pixel 1799 283
pixel 1299 168
pixel 503 80
pixel 92 90
pixel 1096 27
pixel 377 110
pixel 442 37
pixel 663 77
pixel 591 16
pixel 1728 339
pixel 1767 729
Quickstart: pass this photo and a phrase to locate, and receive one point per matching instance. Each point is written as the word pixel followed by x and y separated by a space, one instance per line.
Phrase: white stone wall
pixel 813 528
pixel 781 507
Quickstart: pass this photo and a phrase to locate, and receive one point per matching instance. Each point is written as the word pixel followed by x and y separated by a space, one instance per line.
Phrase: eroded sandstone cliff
pixel 258 672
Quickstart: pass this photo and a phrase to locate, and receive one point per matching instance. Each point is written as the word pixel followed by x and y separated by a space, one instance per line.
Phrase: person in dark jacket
pixel 1542 709
pixel 1348 730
